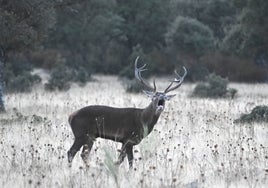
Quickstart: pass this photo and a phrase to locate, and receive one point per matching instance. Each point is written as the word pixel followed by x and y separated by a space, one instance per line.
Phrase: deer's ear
pixel 168 97
pixel 148 93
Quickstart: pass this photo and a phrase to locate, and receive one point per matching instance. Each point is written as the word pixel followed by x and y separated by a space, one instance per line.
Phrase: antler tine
pixel 139 77
pixel 178 79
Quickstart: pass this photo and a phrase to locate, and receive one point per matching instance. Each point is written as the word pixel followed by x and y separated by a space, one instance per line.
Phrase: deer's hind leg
pixel 86 150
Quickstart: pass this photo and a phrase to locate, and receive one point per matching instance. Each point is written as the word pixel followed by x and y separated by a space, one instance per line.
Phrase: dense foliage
pixel 190 36
pixel 258 114
pixel 24 25
pixel 214 87
pixel 105 36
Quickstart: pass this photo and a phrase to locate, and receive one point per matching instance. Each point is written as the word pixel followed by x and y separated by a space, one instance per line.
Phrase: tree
pixel 216 14
pixel 249 35
pixel 187 40
pixel 23 25
pixel 100 35
pixel 89 34
pixel 190 36
pixel 145 22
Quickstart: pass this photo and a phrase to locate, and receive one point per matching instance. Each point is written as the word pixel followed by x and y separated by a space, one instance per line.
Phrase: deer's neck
pixel 149 117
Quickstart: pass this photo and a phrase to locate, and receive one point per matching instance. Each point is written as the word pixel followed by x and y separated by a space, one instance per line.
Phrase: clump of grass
pixel 214 87
pixel 110 165
pixel 258 114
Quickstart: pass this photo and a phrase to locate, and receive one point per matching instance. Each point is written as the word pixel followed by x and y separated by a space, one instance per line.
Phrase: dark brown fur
pixel 71 116
pixel 126 125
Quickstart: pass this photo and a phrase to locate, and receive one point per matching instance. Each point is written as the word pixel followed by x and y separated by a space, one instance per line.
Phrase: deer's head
pixel 158 98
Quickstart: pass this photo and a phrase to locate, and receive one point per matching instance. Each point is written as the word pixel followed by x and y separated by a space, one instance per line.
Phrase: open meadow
pixel 194 144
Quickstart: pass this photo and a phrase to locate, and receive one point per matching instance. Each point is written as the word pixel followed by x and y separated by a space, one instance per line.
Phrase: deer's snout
pixel 161 102
pixel 160 105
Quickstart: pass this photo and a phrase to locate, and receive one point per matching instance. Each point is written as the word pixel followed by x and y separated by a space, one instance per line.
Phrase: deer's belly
pixel 117 129
pixel 123 137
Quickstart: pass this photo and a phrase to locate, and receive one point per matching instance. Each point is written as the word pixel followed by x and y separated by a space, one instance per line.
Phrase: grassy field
pixel 194 144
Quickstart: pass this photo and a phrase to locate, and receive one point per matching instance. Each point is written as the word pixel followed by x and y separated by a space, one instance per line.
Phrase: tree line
pixel 74 39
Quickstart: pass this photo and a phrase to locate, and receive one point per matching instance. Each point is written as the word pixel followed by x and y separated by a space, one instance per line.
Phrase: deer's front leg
pixel 85 152
pixel 78 142
pixel 122 154
pixel 126 150
pixel 129 151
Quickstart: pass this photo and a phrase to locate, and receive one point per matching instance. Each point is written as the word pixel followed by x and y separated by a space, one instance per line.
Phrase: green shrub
pixel 81 76
pixel 17 75
pixel 258 114
pixel 62 75
pixel 231 92
pixel 60 78
pixel 214 87
pixel 54 84
pixel 22 82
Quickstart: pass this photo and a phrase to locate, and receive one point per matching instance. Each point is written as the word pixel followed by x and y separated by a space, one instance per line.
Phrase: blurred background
pixel 73 39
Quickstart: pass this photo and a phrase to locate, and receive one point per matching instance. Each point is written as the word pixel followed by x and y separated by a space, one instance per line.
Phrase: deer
pixel 124 125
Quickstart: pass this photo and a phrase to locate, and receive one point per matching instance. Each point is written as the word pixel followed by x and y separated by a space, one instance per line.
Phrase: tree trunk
pixel 2 106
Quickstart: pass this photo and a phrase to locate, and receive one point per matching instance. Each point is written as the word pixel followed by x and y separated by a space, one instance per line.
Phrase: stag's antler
pixel 139 77
pixel 178 79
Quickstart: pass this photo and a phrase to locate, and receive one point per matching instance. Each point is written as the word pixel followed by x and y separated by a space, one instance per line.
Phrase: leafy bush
pixel 22 82
pixel 81 76
pixel 258 114
pixel 62 75
pixel 214 87
pixel 232 92
pixel 17 75
pixel 60 78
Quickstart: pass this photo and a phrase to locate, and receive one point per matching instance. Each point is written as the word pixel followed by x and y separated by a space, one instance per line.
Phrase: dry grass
pixel 194 144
